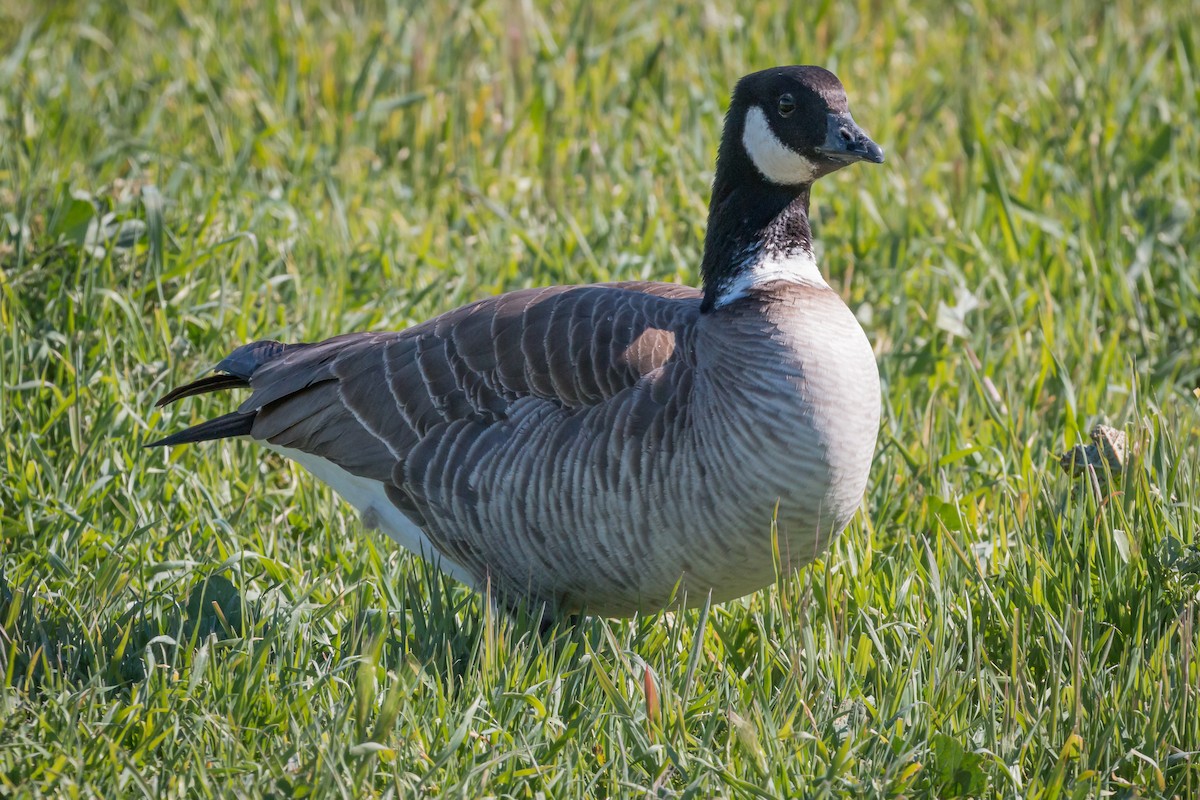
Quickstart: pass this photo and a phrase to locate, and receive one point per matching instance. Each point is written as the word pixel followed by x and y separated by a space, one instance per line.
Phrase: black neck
pixel 748 215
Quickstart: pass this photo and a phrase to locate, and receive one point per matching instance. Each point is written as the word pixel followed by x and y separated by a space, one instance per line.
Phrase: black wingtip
pixel 236 423
pixel 234 372
pixel 213 383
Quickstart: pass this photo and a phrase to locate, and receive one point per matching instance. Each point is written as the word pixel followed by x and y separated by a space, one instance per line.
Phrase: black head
pixel 794 125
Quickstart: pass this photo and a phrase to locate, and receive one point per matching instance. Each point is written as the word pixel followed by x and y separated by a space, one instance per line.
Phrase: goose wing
pixel 365 401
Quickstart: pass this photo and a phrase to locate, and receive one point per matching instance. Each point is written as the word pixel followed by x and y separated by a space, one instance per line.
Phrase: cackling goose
pixel 601 448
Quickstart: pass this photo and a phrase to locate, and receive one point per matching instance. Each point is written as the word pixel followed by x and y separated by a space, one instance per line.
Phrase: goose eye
pixel 787 104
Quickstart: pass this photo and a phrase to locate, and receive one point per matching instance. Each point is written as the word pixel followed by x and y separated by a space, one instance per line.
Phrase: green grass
pixel 175 181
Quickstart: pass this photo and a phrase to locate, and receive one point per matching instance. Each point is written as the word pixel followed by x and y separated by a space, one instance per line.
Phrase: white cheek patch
pixel 777 162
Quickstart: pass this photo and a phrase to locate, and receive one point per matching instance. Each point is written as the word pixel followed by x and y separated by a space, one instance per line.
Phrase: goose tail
pixel 233 372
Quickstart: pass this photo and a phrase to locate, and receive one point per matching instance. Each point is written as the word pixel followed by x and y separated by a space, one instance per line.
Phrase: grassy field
pixel 178 179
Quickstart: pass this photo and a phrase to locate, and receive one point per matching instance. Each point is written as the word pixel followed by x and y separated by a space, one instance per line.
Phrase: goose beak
pixel 847 143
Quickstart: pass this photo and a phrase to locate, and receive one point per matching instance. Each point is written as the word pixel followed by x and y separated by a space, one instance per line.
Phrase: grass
pixel 178 179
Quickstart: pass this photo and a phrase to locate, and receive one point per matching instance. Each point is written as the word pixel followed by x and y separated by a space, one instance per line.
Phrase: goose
pixel 616 448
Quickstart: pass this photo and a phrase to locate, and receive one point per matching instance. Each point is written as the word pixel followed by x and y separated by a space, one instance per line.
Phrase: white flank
pixel 377 511
pixel 797 267
pixel 777 162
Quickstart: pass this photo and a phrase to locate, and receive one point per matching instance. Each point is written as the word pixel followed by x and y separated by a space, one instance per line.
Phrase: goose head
pixel 786 127
pixel 795 125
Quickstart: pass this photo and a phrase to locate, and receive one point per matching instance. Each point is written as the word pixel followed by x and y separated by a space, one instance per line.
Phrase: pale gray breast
pixel 838 383
pixel 793 437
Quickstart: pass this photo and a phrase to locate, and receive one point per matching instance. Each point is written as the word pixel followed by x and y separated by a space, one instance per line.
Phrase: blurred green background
pixel 178 178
